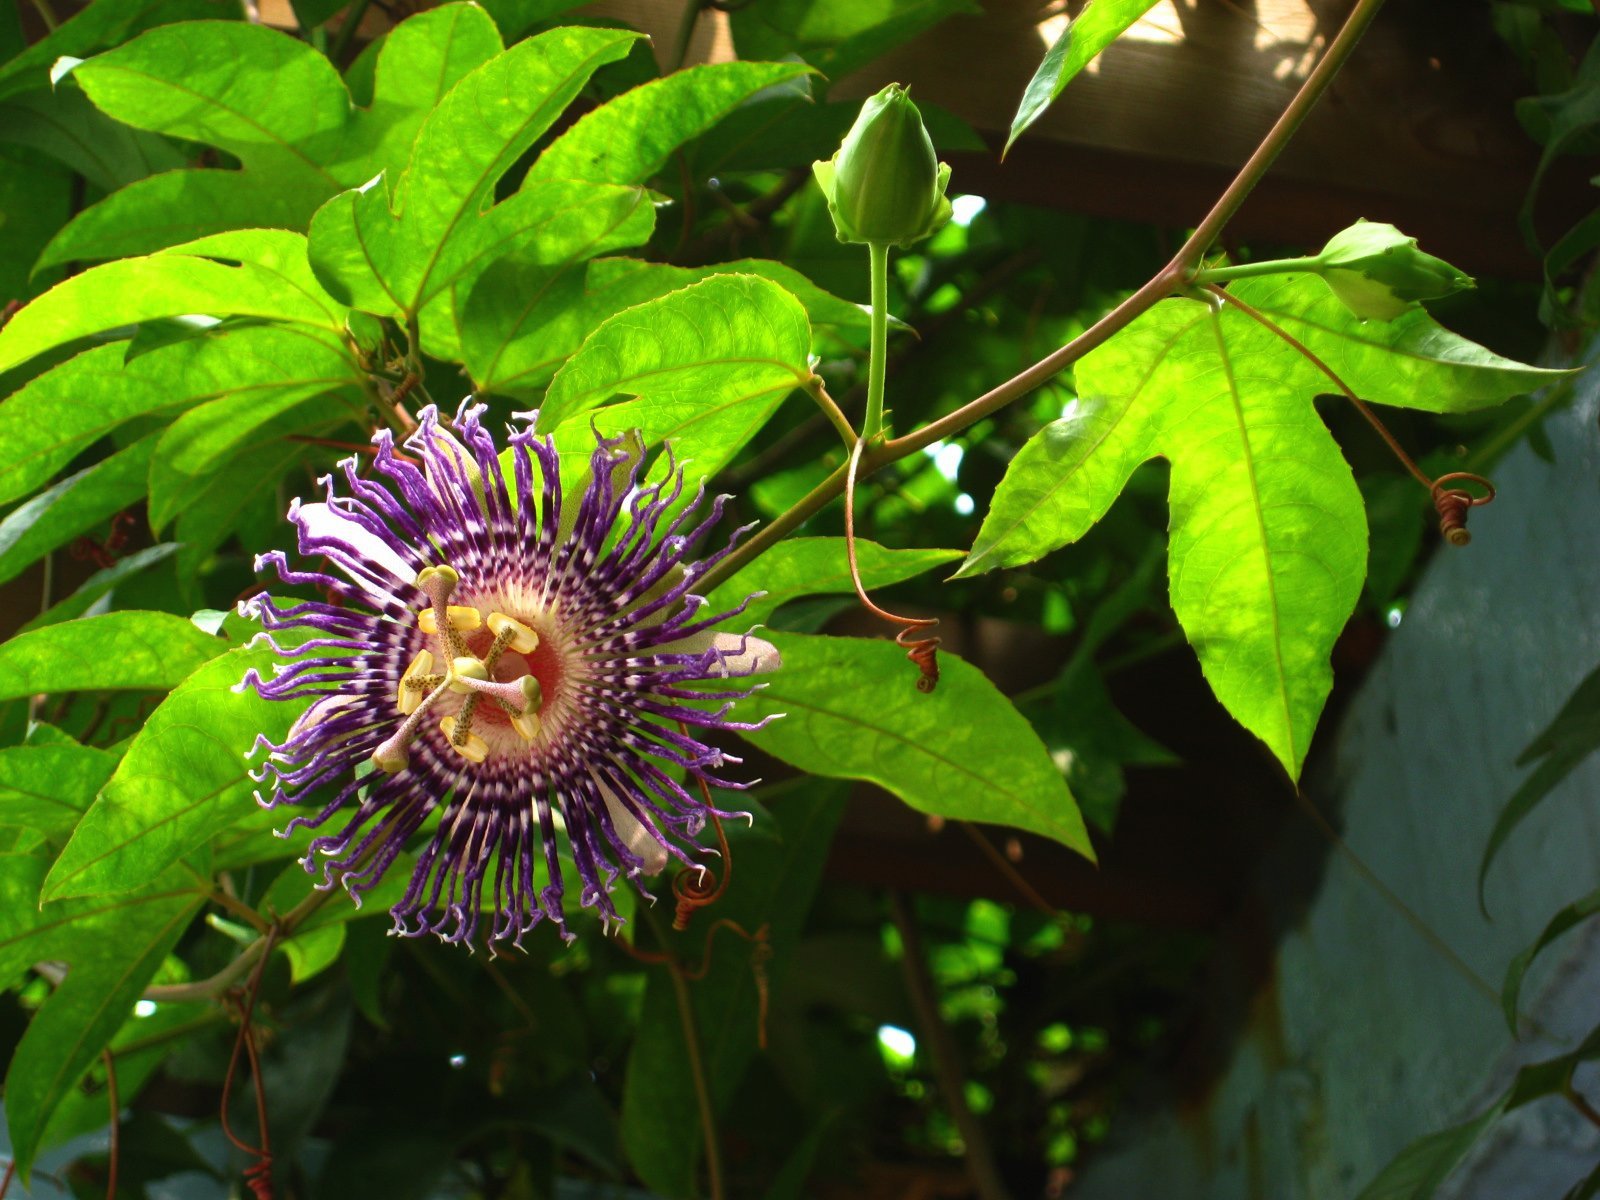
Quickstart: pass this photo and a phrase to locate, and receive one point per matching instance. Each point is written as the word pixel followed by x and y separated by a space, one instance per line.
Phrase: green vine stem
pixel 1174 276
pixel 1272 266
pixel 877 363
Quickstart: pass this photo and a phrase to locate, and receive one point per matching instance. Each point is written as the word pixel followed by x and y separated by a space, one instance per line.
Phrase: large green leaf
pixel 707 365
pixel 76 505
pixel 1268 532
pixel 1085 36
pixel 773 880
pixel 276 105
pixel 66 409
pixel 35 197
pixel 116 651
pixel 265 276
pixel 393 257
pixel 815 566
pixel 522 321
pixel 629 139
pixel 183 779
pixel 46 788
pixel 1570 738
pixel 852 710
pixel 111 951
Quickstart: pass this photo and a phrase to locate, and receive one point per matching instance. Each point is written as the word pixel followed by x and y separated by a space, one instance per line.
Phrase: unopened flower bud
pixel 885 185
pixel 1378 272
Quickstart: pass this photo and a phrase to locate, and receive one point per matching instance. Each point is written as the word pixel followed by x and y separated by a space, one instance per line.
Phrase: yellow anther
pixel 465 668
pixel 390 761
pixel 527 725
pixel 471 747
pixel 516 635
pixel 445 575
pixel 408 698
pixel 462 618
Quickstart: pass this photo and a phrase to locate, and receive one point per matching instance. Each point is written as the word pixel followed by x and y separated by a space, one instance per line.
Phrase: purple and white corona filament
pixel 510 656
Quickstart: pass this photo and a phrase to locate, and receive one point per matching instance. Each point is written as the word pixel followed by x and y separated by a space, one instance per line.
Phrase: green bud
pixel 1379 273
pixel 885 185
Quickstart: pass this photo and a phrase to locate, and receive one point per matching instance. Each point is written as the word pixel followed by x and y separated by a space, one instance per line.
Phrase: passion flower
pixel 519 661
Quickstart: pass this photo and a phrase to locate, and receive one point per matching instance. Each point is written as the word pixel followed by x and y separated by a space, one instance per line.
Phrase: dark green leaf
pixel 117 651
pixel 61 122
pixel 111 952
pixel 1567 918
pixel 183 780
pixel 1565 742
pixel 814 566
pixel 104 23
pixel 772 886
pixel 35 198
pixel 853 711
pixel 516 17
pixel 1418 1170
pixel 1095 28
pixel 220 498
pixel 835 36
pixel 74 506
pixel 99 584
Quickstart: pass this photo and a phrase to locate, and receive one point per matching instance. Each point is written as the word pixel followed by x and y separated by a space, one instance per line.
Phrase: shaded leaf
pixel 1570 738
pixel 62 123
pixel 99 585
pixel 111 952
pixel 183 780
pixel 1085 36
pixel 76 505
pixel 1567 918
pixel 852 711
pixel 1418 1170
pixel 116 651
pixel 779 863
pixel 835 36
pixel 104 23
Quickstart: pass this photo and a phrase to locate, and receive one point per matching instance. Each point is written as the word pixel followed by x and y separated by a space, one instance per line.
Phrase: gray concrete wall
pixel 1371 1038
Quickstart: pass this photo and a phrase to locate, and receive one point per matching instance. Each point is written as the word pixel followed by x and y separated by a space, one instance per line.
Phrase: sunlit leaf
pixel 1085 36
pixel 707 365
pixel 65 410
pixel 852 711
pixel 183 780
pixel 46 788
pixel 104 23
pixel 116 651
pixel 1268 532
pixel 264 280
pixel 816 566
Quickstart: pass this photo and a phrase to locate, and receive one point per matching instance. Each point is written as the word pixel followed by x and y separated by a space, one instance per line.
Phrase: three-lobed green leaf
pixel 1268 532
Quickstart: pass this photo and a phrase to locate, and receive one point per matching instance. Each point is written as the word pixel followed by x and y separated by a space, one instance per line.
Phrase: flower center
pixel 496 663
